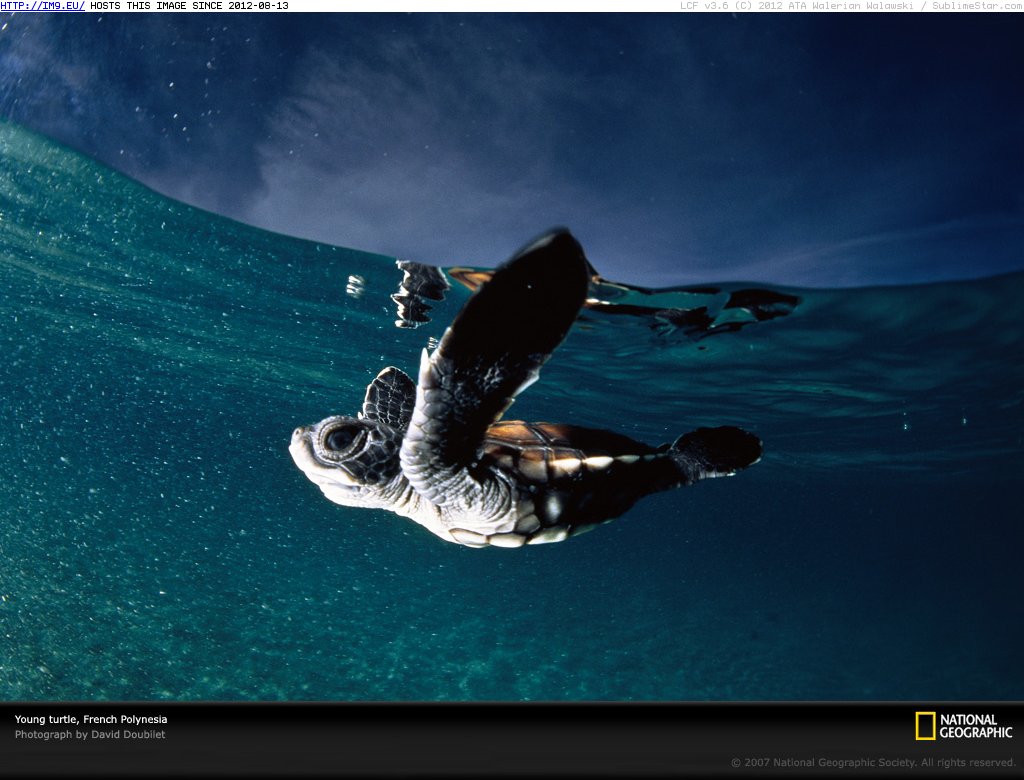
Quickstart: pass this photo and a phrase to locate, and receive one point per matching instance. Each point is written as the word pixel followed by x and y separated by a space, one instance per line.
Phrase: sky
pixel 823 150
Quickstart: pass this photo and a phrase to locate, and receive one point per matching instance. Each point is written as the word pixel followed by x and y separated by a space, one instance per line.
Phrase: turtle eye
pixel 340 439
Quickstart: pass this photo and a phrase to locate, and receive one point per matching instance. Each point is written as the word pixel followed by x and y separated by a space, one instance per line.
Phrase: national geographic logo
pixel 932 726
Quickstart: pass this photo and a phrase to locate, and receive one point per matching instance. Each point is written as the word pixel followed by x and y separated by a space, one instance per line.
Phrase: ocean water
pixel 157 543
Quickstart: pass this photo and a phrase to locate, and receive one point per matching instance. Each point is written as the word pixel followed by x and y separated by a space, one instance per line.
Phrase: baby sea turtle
pixel 435 451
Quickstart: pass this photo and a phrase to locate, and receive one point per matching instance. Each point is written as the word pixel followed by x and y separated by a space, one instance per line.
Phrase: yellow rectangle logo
pixel 924 726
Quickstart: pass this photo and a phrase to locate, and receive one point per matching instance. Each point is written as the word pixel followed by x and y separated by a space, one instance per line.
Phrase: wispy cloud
pixel 971 247
pixel 436 148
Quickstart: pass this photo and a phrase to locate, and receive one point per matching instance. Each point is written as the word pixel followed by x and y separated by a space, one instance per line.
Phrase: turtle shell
pixel 555 454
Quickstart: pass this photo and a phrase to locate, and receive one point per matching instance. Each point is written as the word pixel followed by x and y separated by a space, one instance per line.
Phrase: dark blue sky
pixel 825 150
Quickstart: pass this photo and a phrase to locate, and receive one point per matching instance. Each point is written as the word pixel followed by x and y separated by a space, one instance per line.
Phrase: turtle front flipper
pixel 494 348
pixel 390 398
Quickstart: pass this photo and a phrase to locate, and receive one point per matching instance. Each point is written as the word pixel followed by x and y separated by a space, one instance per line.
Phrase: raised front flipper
pixel 493 349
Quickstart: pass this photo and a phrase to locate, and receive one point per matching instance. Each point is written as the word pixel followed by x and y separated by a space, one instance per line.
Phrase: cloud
pixel 435 149
pixel 972 247
pixel 455 140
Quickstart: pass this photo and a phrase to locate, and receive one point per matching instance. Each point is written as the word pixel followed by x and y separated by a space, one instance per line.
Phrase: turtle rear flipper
pixel 715 452
pixel 494 348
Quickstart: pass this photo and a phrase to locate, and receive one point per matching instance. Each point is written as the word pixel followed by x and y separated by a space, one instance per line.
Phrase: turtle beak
pixel 301 447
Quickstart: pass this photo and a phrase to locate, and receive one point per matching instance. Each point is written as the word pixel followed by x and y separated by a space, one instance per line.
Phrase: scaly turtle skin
pixel 434 451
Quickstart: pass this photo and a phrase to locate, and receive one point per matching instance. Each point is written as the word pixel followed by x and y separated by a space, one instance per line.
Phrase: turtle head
pixel 353 460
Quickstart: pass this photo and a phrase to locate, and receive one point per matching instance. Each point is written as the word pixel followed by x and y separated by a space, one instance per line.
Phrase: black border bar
pixel 571 740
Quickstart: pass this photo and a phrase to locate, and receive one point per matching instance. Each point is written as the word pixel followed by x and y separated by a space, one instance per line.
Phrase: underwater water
pixel 157 542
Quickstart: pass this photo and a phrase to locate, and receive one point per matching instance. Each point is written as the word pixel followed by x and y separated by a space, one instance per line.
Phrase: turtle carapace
pixel 436 451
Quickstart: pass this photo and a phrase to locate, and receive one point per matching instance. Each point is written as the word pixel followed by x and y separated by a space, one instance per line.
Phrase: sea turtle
pixel 435 450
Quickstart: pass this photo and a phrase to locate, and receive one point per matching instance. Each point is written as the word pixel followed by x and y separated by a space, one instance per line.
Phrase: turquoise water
pixel 156 541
